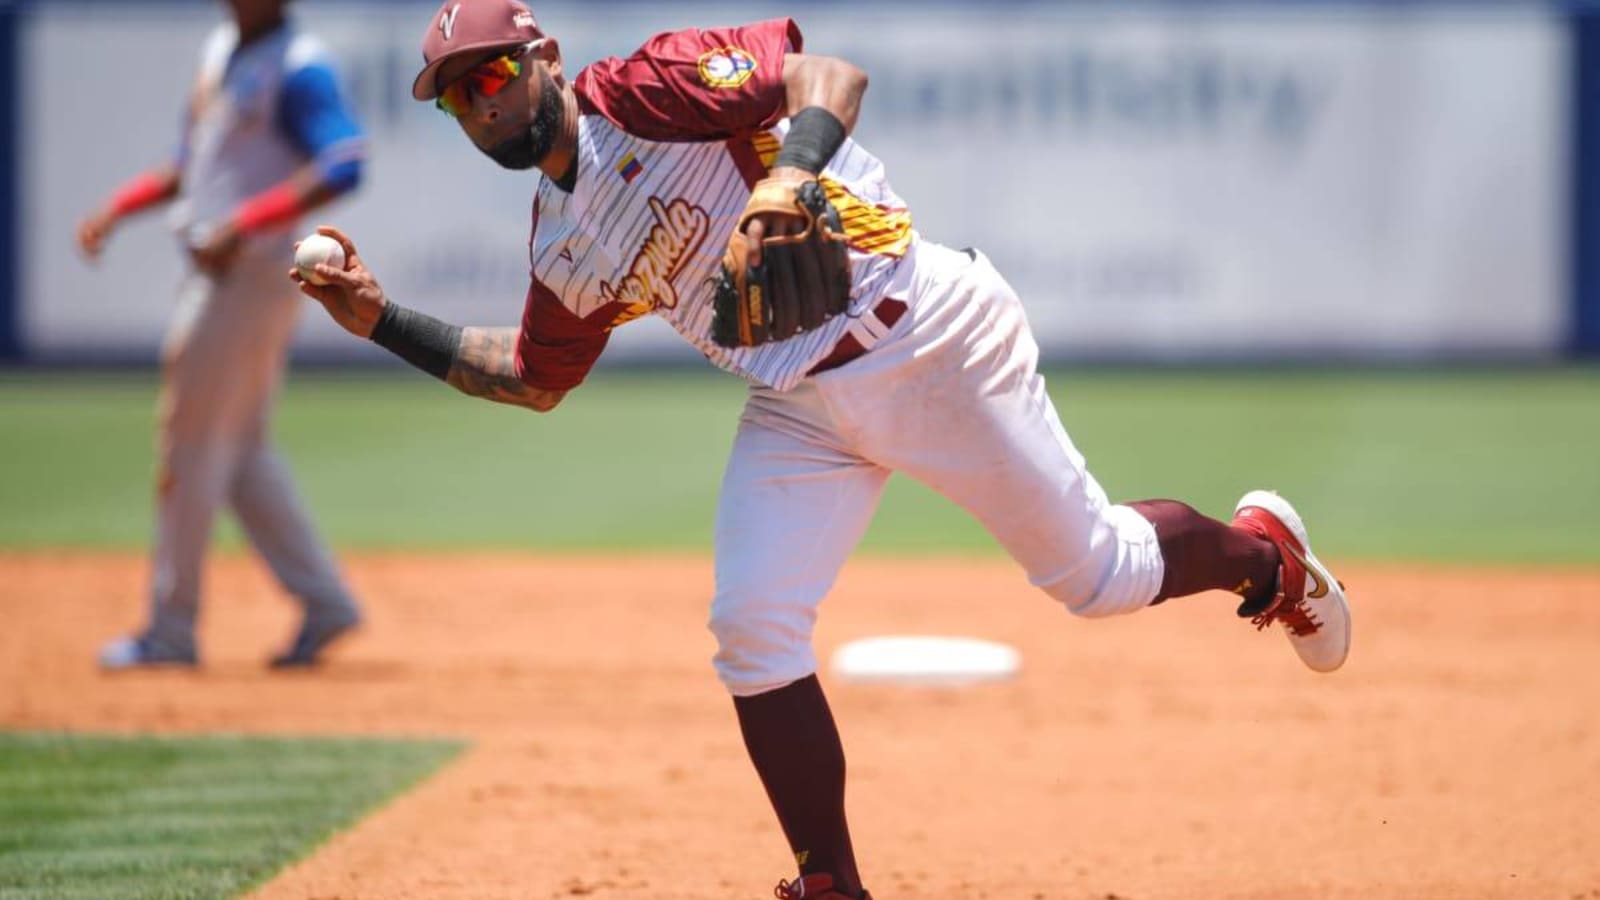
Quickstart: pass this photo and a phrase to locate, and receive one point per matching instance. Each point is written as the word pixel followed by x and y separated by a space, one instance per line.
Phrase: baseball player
pixel 267 137
pixel 709 179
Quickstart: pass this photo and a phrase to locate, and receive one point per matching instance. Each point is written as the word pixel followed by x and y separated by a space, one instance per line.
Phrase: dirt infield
pixel 1170 754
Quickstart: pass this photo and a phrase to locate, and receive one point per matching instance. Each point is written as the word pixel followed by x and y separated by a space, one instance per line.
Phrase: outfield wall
pixel 1171 181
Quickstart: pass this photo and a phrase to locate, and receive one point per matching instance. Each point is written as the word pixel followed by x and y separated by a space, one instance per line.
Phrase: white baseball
pixel 317 248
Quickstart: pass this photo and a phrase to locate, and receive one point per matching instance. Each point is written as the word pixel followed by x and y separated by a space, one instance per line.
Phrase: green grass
pixel 114 817
pixel 1493 465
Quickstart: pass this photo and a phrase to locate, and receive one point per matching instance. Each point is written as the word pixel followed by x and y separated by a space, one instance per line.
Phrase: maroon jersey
pixel 670 141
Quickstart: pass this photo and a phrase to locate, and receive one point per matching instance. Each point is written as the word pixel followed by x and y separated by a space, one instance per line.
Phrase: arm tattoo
pixel 485 366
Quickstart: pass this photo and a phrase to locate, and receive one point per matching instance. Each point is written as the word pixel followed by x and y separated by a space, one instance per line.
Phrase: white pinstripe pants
pixel 952 397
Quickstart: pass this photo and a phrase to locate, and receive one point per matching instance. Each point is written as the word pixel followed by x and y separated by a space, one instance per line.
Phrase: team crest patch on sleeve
pixel 726 67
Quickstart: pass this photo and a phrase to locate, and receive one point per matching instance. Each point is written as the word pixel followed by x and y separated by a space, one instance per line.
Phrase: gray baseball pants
pixel 223 359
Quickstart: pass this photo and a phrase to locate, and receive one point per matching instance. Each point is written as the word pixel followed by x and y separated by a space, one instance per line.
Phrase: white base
pixel 913 659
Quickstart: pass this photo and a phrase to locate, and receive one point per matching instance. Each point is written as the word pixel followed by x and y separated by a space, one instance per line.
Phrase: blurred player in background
pixel 267 137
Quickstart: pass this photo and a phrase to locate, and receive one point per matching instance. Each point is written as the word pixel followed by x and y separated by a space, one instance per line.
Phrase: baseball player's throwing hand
pixel 352 296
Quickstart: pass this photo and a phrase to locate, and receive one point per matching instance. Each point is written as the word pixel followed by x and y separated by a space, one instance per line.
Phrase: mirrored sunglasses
pixel 486 79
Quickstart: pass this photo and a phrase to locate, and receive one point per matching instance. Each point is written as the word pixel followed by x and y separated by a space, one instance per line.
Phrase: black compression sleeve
pixel 417 338
pixel 815 135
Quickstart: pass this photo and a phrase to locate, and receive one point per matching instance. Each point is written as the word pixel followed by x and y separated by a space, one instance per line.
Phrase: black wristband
pixel 815 135
pixel 417 338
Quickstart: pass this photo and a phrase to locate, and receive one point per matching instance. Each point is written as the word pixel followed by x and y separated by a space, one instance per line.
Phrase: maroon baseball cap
pixel 469 26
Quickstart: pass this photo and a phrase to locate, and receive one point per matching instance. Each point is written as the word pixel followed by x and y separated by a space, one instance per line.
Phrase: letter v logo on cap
pixel 447 21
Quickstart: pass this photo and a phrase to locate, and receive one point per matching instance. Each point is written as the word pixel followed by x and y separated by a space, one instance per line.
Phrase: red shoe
pixel 1309 602
pixel 813 887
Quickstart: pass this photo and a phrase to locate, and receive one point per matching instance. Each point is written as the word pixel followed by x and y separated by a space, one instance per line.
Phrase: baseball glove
pixel 803 279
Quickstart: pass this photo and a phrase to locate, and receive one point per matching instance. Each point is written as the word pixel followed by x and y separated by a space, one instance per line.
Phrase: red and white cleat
pixel 1310 602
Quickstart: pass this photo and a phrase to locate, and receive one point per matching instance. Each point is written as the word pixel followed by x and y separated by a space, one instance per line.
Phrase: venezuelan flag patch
pixel 630 168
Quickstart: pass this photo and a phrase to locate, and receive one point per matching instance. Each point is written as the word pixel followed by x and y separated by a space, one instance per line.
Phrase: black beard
pixel 528 149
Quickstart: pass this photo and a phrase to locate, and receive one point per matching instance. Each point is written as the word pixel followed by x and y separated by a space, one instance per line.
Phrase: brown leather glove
pixel 803 279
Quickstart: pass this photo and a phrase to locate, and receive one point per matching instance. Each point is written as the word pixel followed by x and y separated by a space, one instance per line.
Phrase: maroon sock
pixel 795 746
pixel 1203 554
